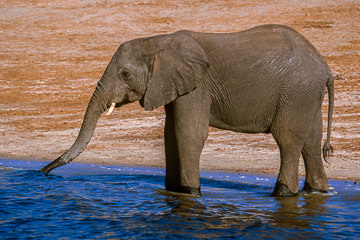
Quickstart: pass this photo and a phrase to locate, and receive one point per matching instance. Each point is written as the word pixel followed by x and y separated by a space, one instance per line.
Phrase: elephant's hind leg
pixel 289 132
pixel 315 173
pixel 287 183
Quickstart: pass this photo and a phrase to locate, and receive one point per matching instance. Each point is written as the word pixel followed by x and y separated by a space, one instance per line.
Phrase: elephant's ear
pixel 175 69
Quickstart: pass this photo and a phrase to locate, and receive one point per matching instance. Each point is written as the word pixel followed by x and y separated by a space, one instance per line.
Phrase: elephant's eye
pixel 125 74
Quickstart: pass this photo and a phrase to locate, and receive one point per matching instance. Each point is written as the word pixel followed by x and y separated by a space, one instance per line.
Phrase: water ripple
pixel 89 201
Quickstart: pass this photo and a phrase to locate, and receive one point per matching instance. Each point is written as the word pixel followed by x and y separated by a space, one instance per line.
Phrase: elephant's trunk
pixel 99 102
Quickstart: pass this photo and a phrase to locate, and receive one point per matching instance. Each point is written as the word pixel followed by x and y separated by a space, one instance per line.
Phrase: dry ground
pixel 53 52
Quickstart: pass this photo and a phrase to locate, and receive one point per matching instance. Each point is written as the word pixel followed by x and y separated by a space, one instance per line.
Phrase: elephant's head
pixel 154 71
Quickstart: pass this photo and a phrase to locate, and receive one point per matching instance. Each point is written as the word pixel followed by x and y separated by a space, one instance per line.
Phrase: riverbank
pixel 53 53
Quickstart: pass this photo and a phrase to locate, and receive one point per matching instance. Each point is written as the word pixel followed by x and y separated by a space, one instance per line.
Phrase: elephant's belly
pixel 244 109
pixel 240 125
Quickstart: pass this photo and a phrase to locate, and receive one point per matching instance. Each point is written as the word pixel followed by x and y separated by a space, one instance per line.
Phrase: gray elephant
pixel 267 79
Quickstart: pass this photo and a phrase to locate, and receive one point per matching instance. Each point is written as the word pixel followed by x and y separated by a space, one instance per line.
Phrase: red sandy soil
pixel 52 54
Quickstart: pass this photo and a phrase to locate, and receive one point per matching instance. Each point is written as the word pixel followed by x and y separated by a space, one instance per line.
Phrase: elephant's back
pixel 264 53
pixel 254 71
pixel 260 44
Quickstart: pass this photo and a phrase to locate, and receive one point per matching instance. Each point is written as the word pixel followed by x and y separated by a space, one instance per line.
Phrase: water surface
pixel 84 201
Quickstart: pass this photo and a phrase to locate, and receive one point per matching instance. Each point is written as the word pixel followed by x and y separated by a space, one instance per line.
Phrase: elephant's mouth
pixel 115 104
pixel 111 109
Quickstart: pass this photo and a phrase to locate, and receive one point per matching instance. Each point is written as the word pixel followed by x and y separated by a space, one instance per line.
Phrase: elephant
pixel 266 79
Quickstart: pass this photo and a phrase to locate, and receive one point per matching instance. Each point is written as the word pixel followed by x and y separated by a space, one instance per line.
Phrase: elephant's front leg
pixel 186 129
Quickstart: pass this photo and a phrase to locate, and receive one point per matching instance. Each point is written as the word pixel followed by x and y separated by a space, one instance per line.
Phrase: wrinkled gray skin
pixel 268 79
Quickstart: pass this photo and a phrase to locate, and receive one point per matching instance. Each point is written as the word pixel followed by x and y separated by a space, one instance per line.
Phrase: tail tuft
pixel 327 151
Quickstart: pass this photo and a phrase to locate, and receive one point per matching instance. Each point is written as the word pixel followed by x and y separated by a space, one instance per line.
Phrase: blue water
pixel 83 201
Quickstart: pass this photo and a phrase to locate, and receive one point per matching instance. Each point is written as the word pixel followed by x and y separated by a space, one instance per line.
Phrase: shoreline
pixel 237 171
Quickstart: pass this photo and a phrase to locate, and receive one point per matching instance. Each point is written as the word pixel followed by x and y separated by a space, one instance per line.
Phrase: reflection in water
pixel 87 202
pixel 299 211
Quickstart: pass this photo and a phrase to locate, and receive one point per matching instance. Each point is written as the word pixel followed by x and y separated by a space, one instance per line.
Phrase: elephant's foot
pixel 185 189
pixel 281 190
pixel 308 188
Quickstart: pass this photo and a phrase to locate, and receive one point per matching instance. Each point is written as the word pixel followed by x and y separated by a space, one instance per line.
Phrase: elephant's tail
pixel 327 148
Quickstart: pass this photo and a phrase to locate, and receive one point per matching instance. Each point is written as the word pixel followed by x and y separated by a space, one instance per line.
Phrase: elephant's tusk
pixel 111 109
